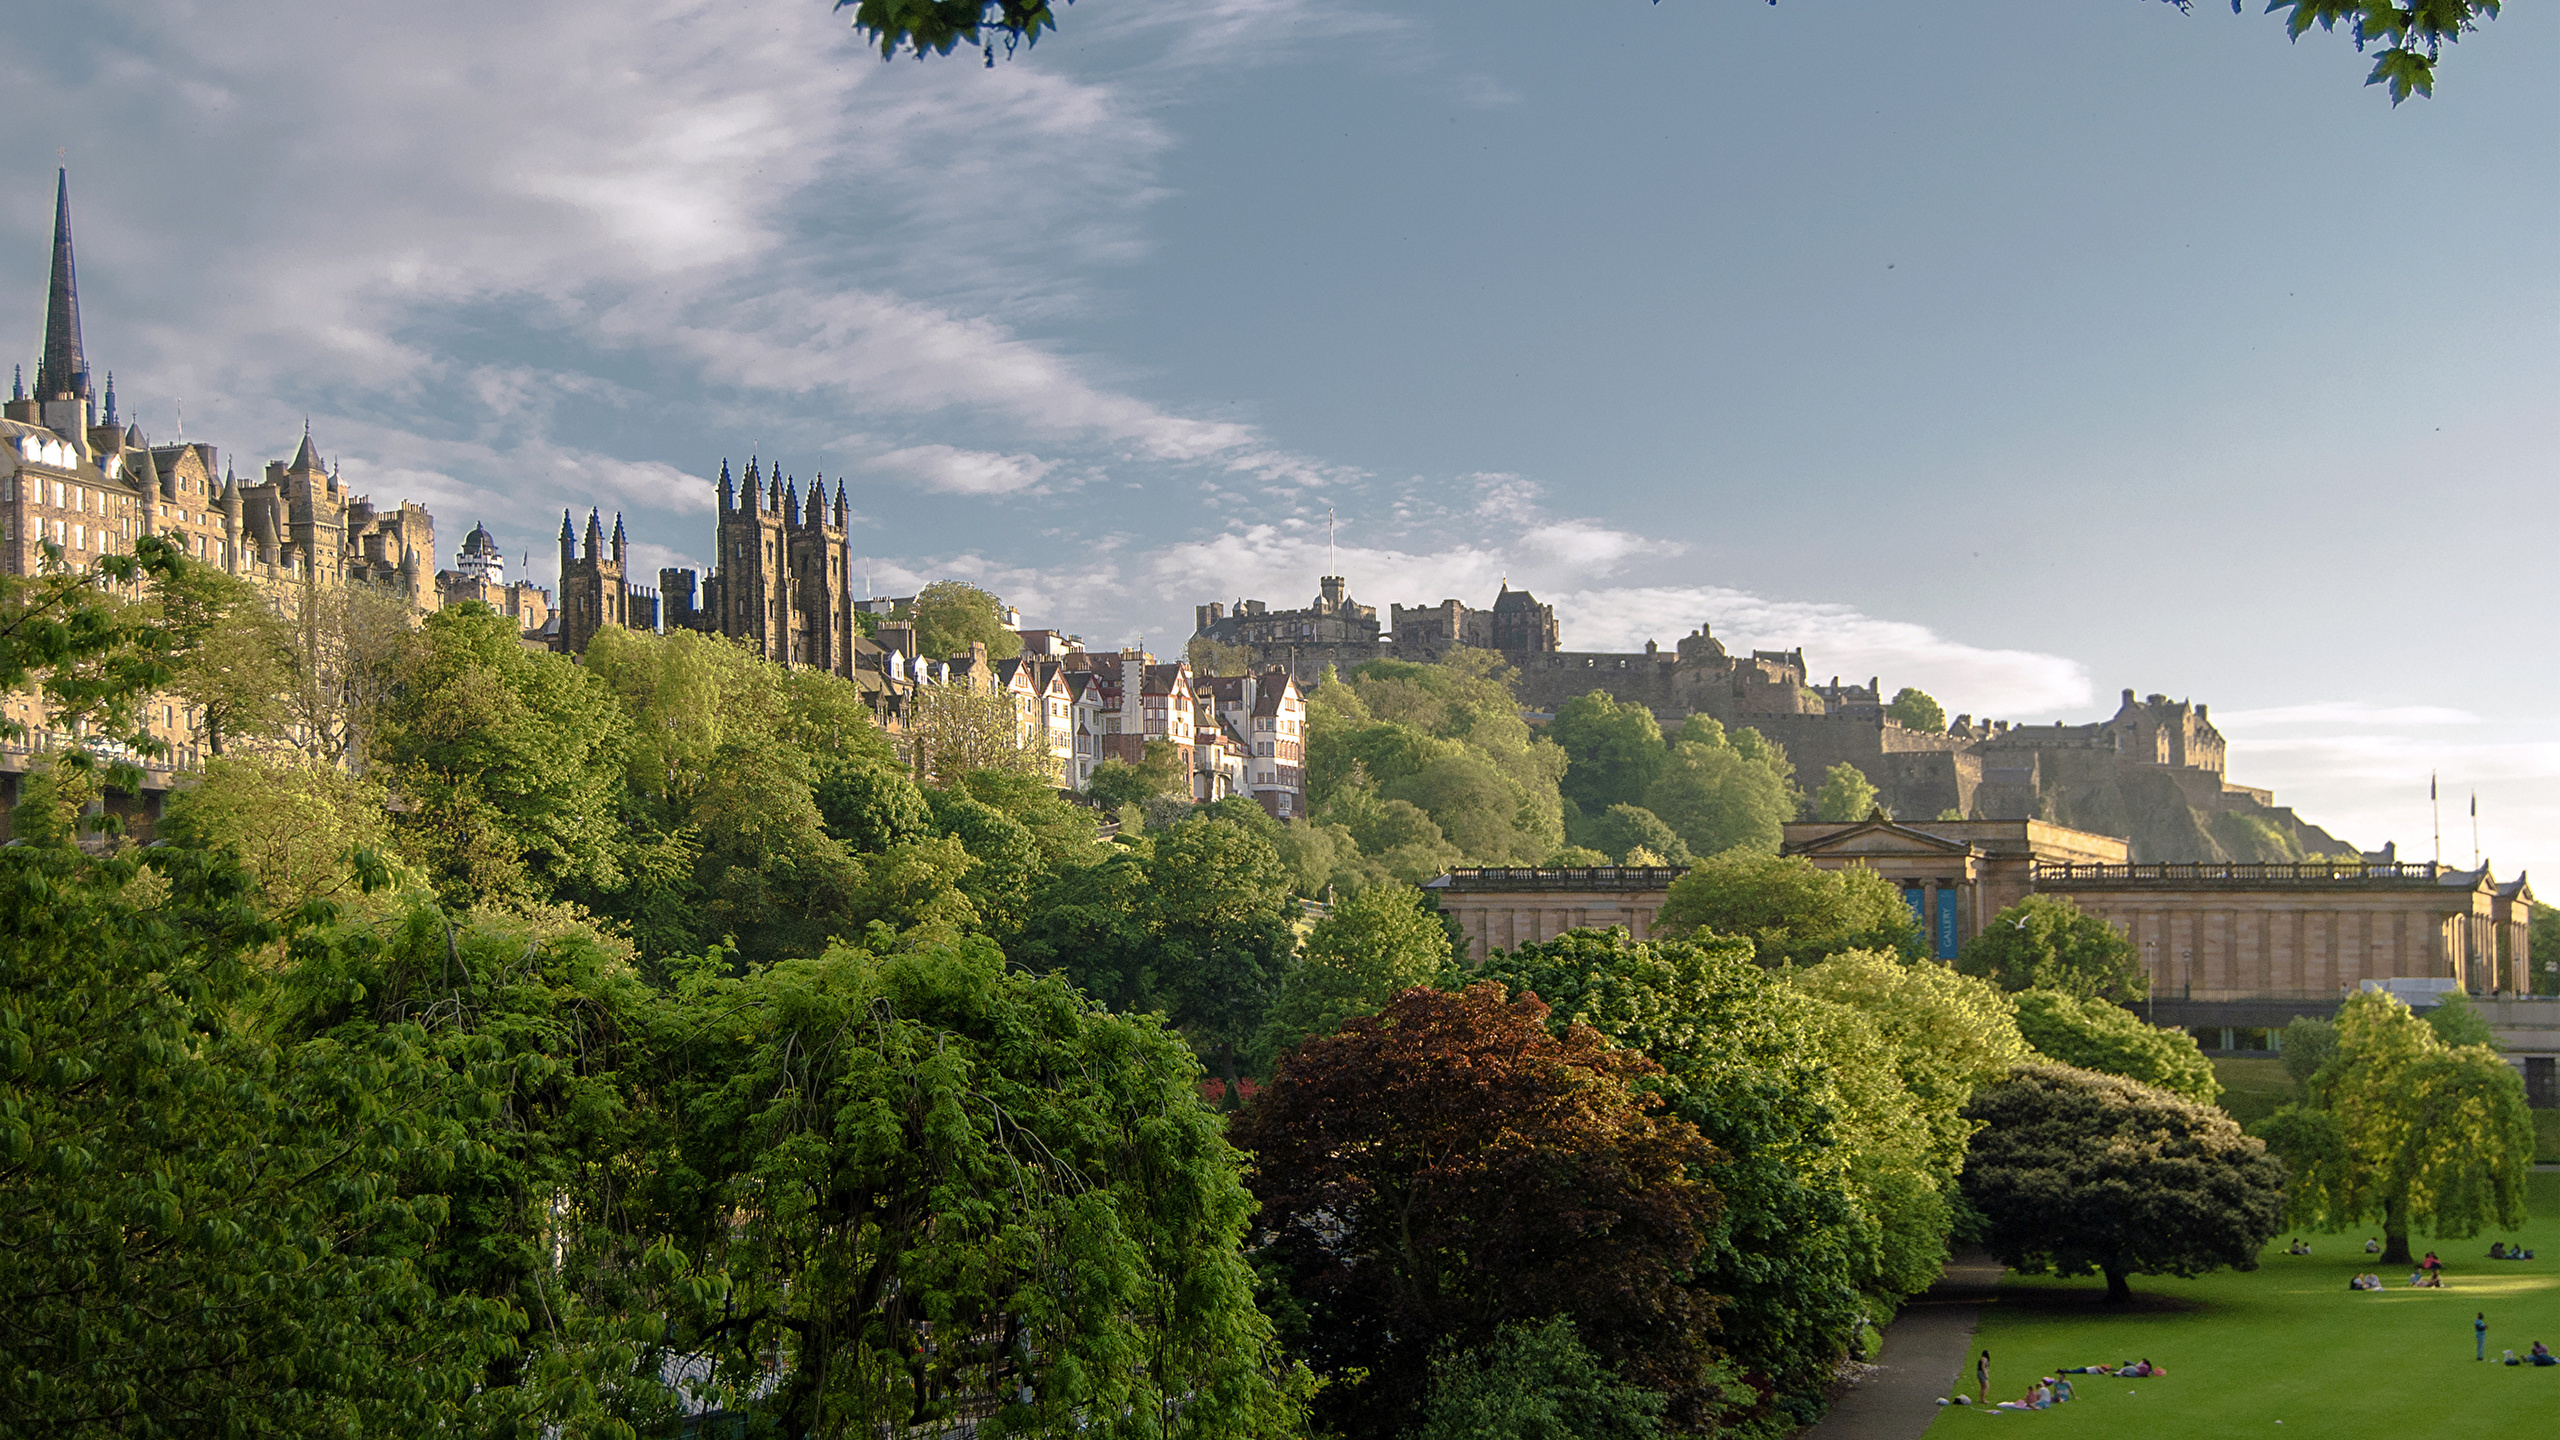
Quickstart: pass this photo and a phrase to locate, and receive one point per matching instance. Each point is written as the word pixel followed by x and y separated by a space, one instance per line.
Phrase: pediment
pixel 1880 837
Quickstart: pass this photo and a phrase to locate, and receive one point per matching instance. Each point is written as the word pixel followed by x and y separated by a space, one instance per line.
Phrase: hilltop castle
pixel 2151 773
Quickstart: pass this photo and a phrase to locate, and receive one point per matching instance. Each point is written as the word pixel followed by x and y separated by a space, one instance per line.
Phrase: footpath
pixel 1925 1348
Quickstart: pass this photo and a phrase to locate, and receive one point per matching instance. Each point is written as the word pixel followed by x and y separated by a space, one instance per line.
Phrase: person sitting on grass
pixel 2431 1263
pixel 2297 1247
pixel 2372 1246
pixel 2542 1354
pixel 2061 1391
pixel 2497 1250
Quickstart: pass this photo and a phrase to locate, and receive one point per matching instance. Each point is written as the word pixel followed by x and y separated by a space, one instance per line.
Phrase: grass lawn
pixel 2289 1344
pixel 2253 1088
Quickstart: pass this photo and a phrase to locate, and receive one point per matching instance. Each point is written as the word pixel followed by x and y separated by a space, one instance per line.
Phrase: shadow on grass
pixel 2089 1302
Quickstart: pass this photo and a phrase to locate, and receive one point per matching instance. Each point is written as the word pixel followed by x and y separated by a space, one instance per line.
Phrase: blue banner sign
pixel 1946 924
pixel 1913 897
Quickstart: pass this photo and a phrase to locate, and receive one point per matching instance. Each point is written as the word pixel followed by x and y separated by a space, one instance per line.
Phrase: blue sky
pixel 2021 351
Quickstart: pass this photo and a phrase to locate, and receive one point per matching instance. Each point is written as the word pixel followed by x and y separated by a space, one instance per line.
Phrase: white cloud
pixel 964 472
pixel 1836 640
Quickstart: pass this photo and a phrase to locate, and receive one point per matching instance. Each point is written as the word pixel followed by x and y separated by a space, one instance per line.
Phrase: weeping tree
pixel 2403 1129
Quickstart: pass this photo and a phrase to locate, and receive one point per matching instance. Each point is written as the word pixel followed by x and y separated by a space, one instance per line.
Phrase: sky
pixel 2021 350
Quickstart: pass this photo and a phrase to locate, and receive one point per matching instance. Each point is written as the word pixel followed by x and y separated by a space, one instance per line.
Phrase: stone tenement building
pixel 75 475
pixel 2151 773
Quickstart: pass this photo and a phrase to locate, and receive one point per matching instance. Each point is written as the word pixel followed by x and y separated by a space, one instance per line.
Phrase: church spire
pixel 63 373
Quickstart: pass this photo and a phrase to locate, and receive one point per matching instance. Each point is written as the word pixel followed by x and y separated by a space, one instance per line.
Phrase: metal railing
pixel 2245 873
pixel 1517 879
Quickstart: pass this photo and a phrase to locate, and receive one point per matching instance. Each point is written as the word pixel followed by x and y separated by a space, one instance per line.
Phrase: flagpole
pixel 2475 829
pixel 2437 812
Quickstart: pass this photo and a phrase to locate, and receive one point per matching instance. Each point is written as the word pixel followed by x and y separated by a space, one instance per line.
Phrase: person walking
pixel 2480 1335
pixel 1982 1378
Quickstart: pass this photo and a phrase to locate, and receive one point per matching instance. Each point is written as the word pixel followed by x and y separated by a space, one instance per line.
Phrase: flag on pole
pixel 2431 784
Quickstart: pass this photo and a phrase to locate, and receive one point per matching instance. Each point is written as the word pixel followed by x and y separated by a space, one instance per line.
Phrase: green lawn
pixel 2253 1088
pixel 2289 1343
pixel 2546 1144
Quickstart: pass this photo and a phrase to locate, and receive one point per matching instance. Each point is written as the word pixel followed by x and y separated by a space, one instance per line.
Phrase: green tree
pixel 1834 1208
pixel 2542 939
pixel 1950 1035
pixel 1478 808
pixel 911 1183
pixel 2045 943
pixel 2457 1022
pixel 206 1231
pixel 296 825
pixel 2309 1042
pixel 2408 38
pixel 1615 751
pixel 1194 923
pixel 507 764
pixel 1447 1167
pixel 953 729
pixel 1535 1382
pixel 231 656
pixel 1213 657
pixel 2075 1172
pixel 952 615
pixel 1725 792
pixel 871 807
pixel 535 1035
pixel 1791 911
pixel 1846 795
pixel 2103 1036
pixel 89 654
pixel 2407 1130
pixel 1914 709
pixel 1375 945
pixel 1625 828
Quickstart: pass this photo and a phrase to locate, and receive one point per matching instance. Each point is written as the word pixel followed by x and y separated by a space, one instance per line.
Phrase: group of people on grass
pixel 2541 1353
pixel 2501 1250
pixel 2049 1390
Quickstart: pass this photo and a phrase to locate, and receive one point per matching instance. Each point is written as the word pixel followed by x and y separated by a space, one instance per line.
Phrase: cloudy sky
pixel 2024 350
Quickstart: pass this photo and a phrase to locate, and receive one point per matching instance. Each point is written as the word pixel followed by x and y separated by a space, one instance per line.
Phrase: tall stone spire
pixel 63 373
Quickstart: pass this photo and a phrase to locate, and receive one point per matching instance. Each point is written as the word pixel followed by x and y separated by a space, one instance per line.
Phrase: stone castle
pixel 2152 773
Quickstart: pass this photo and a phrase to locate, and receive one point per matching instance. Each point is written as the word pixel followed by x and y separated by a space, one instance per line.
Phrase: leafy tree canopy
pixel 2404 1129
pixel 2103 1036
pixel 1790 910
pixel 1916 709
pixel 870 1149
pixel 1833 1209
pixel 2075 1172
pixel 1375 945
pixel 952 615
pixel 1722 792
pixel 1950 1034
pixel 1624 829
pixel 208 1233
pixel 1846 794
pixel 1616 751
pixel 1535 1382
pixel 2407 39
pixel 2045 943
pixel 1446 1167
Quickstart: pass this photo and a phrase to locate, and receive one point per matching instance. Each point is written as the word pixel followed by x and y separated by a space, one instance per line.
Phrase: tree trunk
pixel 1227 1056
pixel 2395 1232
pixel 2118 1292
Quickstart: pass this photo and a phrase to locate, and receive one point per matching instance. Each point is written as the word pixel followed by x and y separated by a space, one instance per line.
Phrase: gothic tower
pixel 592 593
pixel 747 598
pixel 822 584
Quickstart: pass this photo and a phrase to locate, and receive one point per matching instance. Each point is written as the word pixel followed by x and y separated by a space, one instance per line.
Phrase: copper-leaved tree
pixel 1446 1167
